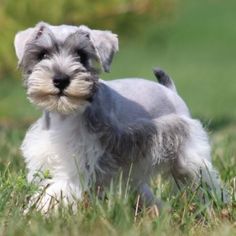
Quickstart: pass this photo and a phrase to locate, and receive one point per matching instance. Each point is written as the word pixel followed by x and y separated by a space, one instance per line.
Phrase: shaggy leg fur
pixel 189 150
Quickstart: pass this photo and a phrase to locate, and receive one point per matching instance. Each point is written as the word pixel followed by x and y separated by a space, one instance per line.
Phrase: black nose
pixel 61 81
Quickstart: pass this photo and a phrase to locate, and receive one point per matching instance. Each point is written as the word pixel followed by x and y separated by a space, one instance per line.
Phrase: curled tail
pixel 164 79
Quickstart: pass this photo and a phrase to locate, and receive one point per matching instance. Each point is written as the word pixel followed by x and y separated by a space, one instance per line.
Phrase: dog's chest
pixel 66 149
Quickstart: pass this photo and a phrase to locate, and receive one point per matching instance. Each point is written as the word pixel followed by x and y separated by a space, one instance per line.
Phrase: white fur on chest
pixel 66 150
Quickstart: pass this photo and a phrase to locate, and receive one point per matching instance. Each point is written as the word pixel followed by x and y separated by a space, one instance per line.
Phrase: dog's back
pixel 154 98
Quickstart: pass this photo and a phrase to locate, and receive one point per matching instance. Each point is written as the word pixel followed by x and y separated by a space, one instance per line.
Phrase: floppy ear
pixel 20 40
pixel 22 37
pixel 105 44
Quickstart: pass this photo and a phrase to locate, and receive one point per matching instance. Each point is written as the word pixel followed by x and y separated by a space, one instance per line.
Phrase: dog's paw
pixel 43 203
pixel 51 199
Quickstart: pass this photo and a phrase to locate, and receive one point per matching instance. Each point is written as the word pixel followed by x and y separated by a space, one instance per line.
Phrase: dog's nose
pixel 61 81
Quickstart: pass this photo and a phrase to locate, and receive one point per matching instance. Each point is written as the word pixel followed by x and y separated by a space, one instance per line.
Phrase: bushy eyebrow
pixel 80 41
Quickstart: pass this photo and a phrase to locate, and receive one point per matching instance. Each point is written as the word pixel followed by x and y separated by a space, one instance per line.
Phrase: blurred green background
pixel 193 40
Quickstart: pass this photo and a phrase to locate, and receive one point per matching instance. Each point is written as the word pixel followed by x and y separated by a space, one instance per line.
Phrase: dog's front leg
pixel 51 195
pixel 147 198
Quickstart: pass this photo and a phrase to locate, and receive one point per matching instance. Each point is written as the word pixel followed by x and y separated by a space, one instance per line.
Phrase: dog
pixel 91 130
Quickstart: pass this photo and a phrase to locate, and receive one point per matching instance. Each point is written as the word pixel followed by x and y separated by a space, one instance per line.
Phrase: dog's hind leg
pixel 147 197
pixel 193 164
pixel 182 142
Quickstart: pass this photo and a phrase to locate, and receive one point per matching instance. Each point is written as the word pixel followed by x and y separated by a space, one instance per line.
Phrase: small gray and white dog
pixel 91 129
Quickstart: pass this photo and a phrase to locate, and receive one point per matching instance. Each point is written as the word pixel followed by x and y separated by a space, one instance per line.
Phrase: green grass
pixel 116 215
pixel 197 48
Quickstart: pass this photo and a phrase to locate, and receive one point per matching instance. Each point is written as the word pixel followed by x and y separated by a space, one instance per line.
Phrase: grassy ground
pixel 197 48
pixel 116 216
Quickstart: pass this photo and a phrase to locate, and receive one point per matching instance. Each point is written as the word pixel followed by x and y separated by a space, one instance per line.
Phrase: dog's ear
pixel 20 40
pixel 105 44
pixel 22 37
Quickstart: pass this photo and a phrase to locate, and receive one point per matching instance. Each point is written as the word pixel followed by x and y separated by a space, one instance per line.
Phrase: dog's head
pixel 58 64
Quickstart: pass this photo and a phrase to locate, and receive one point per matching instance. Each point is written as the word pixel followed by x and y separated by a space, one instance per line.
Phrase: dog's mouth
pixel 61 94
pixel 46 94
pixel 66 94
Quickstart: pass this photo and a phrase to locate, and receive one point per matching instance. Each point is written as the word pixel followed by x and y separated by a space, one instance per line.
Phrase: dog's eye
pixel 83 57
pixel 43 55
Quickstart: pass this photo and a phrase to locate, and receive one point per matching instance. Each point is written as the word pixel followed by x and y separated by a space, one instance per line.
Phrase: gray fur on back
pixel 129 118
pixel 136 98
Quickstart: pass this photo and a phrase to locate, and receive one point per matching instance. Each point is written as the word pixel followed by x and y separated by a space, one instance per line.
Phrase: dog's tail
pixel 164 79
